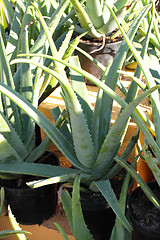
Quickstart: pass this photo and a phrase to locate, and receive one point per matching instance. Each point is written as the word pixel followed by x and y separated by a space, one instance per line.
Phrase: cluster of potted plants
pixel 39 56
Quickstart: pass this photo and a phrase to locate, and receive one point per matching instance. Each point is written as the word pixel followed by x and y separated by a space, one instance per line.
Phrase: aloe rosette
pixel 17 129
pixel 81 139
pixel 95 18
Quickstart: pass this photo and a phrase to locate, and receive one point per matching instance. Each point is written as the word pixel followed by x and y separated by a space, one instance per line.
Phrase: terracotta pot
pixel 104 56
pixel 31 206
pixel 144 216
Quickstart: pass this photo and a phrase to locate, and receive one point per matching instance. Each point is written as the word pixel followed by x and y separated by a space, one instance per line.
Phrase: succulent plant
pixel 95 17
pixel 88 144
pixel 148 64
pixel 17 129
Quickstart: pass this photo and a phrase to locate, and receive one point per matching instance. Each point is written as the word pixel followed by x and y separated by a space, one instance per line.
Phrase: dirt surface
pixel 108 39
pixel 100 40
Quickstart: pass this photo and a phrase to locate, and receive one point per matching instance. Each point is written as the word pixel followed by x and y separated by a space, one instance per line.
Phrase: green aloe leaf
pixel 119 231
pixel 118 60
pixel 37 169
pixel 26 90
pixel 107 191
pixel 94 10
pixel 84 19
pixel 120 3
pixel 9 8
pixel 150 82
pixel 67 206
pixel 12 138
pixel 61 231
pixel 65 128
pixel 107 90
pixel 107 151
pixel 151 162
pixel 2 193
pixel 79 86
pixel 125 155
pixel 81 135
pixel 6 77
pixel 53 133
pixel 38 151
pixel 80 229
pixel 13 41
pixel 151 196
pixel 96 115
pixel 111 25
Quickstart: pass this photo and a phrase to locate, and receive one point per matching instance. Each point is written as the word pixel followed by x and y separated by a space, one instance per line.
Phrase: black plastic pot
pixel 144 215
pixel 98 215
pixel 104 56
pixel 32 206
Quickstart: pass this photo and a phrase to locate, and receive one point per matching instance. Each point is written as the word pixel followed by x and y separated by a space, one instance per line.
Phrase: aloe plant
pixel 74 214
pixel 72 207
pixel 90 146
pixel 95 18
pixel 142 31
pixel 81 139
pixel 17 131
pixel 148 64
pixel 152 132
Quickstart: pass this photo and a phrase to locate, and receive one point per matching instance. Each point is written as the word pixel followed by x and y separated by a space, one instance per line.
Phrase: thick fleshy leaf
pixel 11 136
pixel 107 151
pixel 150 82
pixel 118 60
pixel 9 8
pixel 81 136
pixel 7 152
pixel 61 231
pixel 109 92
pixel 84 19
pixel 151 162
pixel 148 192
pixel 15 225
pixel 94 10
pixel 111 25
pixel 37 169
pixel 65 128
pixel 67 206
pixel 79 86
pixel 12 43
pixel 2 199
pixel 119 231
pixel 6 77
pixel 53 133
pixel 120 3
pixel 107 191
pixel 80 229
